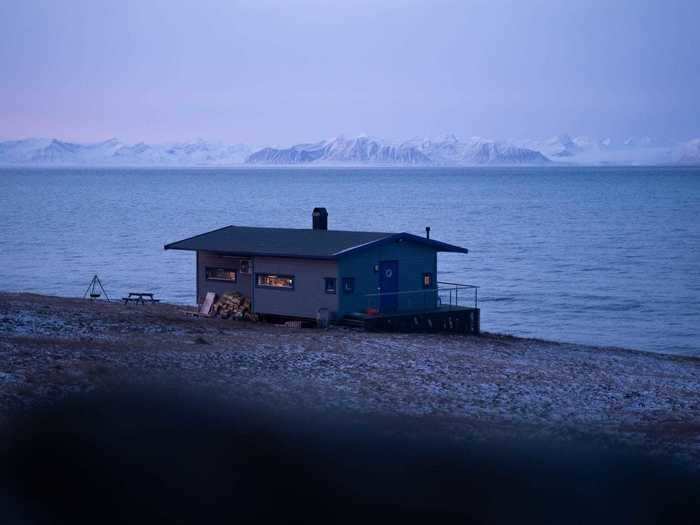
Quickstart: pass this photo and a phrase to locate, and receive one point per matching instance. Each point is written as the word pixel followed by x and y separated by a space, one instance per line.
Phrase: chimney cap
pixel 319 219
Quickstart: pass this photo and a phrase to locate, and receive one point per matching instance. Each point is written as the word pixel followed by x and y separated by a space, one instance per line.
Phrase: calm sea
pixel 607 256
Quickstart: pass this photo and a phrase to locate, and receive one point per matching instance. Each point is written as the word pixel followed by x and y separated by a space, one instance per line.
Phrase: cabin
pixel 378 280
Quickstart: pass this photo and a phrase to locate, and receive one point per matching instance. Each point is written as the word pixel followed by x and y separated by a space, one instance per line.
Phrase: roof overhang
pixel 438 246
pixel 398 237
pixel 234 253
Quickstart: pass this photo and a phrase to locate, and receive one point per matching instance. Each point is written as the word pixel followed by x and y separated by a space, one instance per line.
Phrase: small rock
pixel 7 378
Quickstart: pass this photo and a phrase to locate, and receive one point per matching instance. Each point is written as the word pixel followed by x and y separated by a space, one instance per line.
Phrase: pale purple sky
pixel 279 72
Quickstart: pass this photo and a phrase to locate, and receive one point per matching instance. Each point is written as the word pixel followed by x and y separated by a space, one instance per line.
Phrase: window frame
pixel 333 280
pixel 258 275
pixel 207 269
pixel 429 277
pixel 350 280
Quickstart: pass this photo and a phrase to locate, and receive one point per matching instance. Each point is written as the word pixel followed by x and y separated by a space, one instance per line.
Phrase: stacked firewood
pixel 233 305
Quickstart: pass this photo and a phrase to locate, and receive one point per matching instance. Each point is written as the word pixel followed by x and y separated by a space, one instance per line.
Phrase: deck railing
pixel 446 296
pixel 466 293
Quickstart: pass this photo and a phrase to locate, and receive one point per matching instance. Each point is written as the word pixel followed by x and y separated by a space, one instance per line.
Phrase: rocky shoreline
pixel 487 386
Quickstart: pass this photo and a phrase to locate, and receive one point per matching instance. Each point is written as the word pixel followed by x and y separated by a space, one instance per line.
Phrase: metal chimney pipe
pixel 427 232
pixel 319 219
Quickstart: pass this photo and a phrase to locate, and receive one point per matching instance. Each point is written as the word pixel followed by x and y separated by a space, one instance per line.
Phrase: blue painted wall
pixel 414 260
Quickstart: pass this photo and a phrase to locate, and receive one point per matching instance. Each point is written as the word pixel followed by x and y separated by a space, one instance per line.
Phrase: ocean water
pixel 606 256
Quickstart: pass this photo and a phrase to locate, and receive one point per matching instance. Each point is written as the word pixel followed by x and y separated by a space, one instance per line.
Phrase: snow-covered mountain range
pixel 689 153
pixel 369 150
pixel 43 152
pixel 449 150
pixel 357 151
pixel 583 150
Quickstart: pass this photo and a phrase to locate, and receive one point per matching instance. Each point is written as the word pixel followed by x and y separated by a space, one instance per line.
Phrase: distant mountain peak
pixel 110 142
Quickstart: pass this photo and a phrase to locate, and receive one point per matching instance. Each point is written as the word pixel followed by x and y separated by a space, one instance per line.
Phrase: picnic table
pixel 140 297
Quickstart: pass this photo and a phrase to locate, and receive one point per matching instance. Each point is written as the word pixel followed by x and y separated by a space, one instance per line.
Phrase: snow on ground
pixel 485 386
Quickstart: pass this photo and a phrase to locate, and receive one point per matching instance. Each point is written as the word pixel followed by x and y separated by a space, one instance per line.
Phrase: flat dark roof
pixel 291 242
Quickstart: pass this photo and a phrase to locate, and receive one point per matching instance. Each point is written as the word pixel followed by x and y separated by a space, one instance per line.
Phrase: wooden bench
pixel 140 297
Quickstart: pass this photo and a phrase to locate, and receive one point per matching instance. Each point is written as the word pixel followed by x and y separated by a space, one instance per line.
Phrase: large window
pixel 220 274
pixel 273 280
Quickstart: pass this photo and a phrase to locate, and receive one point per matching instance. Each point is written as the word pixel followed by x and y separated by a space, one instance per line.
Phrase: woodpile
pixel 233 305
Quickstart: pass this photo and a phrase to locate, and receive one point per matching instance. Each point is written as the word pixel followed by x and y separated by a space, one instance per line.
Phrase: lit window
pixel 348 285
pixel 330 284
pixel 272 280
pixel 427 280
pixel 220 274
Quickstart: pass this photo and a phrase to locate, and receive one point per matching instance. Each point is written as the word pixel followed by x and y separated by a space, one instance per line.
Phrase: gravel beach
pixel 487 386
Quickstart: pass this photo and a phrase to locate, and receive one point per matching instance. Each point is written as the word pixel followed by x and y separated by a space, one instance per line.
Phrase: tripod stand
pixel 92 289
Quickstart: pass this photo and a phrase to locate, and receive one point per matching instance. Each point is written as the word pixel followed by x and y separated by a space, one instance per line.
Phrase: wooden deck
pixel 455 319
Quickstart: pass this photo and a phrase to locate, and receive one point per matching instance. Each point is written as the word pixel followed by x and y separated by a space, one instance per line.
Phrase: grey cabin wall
pixel 243 285
pixel 308 294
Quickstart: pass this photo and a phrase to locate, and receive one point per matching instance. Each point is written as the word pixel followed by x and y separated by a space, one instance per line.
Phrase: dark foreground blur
pixel 166 458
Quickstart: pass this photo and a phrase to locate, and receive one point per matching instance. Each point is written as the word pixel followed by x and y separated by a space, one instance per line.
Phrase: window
pixel 348 285
pixel 273 280
pixel 220 274
pixel 427 280
pixel 330 284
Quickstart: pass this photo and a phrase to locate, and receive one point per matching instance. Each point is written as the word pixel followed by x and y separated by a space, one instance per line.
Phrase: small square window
pixel 348 285
pixel 330 284
pixel 427 280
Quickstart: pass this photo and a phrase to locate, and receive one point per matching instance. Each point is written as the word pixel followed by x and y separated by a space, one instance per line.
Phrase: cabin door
pixel 388 286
